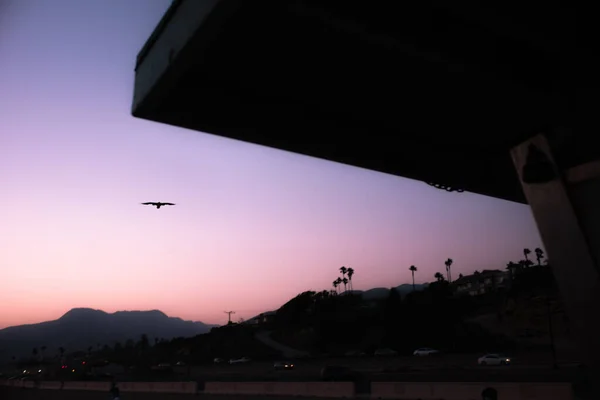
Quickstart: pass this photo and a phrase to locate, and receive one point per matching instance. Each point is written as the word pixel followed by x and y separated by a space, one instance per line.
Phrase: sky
pixel 252 227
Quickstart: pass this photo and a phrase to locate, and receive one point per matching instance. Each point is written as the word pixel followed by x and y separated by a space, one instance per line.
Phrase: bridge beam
pixel 566 208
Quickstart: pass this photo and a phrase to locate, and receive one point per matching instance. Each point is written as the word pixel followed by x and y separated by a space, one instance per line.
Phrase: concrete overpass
pixel 462 95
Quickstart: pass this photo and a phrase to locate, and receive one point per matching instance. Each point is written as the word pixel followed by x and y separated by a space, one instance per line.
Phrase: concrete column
pixel 566 208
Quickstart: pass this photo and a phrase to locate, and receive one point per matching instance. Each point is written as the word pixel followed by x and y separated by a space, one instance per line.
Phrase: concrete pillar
pixel 566 208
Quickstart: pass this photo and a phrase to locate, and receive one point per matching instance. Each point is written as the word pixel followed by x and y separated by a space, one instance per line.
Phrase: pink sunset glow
pixel 252 226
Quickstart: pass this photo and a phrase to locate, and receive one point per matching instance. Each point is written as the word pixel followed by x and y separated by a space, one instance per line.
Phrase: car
pixel 354 353
pixel 283 365
pixel 425 351
pixel 385 352
pixel 493 359
pixel 242 360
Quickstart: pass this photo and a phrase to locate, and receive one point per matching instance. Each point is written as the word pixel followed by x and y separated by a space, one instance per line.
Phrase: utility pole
pixel 229 316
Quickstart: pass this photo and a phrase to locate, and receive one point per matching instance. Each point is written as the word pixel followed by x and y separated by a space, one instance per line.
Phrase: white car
pixel 425 351
pixel 493 359
pixel 385 352
pixel 239 360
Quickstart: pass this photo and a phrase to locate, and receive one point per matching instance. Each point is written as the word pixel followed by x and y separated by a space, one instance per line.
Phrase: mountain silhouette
pixel 80 328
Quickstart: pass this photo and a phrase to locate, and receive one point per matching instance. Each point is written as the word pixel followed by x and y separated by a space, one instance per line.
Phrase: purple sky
pixel 252 226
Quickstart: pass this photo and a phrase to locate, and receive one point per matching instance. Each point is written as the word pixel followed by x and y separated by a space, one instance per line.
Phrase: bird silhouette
pixel 158 204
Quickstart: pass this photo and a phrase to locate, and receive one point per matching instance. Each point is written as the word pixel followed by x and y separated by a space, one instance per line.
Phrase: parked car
pixel 493 359
pixel 354 353
pixel 239 360
pixel 385 352
pixel 283 365
pixel 425 351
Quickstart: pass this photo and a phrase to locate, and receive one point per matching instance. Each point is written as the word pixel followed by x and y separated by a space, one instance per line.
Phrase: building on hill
pixel 481 282
pixel 262 318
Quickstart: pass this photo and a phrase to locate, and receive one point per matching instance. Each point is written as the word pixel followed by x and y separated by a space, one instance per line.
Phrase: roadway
pixel 33 394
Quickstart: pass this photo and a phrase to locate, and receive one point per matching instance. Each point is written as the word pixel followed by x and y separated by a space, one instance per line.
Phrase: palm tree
pixel 448 264
pixel 539 254
pixel 526 253
pixel 345 282
pixel 511 267
pixel 338 281
pixel 439 277
pixel 343 271
pixel 350 272
pixel 413 269
pixel 335 285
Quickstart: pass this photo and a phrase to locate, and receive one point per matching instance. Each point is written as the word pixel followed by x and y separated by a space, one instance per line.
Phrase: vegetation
pixel 338 321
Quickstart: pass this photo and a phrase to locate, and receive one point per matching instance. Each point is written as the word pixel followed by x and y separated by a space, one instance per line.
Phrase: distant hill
pixel 380 293
pixel 83 327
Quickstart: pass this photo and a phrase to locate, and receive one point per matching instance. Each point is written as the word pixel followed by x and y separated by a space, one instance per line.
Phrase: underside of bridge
pixel 455 94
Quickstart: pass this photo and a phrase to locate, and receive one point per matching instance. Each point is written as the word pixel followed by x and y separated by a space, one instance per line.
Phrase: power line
pixel 229 315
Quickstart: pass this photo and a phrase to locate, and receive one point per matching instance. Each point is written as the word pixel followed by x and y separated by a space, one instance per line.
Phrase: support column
pixel 566 209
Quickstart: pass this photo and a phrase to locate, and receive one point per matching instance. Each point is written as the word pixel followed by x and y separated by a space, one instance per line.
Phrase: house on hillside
pixel 481 282
pixel 262 318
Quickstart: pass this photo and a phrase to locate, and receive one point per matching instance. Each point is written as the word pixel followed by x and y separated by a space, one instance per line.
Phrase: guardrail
pixel 378 390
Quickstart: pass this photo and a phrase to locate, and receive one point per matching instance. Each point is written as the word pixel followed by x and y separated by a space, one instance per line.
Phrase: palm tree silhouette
pixel 350 272
pixel 343 271
pixel 338 281
pixel 413 269
pixel 335 286
pixel 526 253
pixel 539 254
pixel 438 276
pixel 345 282
pixel 448 264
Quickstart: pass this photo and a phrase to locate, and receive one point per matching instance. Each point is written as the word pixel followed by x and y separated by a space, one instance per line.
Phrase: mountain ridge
pixel 81 327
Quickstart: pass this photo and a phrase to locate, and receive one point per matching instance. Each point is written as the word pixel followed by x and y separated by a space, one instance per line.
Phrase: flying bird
pixel 158 204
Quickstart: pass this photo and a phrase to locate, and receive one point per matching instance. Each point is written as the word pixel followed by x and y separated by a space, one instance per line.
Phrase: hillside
pixel 81 328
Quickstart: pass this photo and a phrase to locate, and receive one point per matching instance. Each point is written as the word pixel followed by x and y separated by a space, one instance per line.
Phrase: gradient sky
pixel 252 226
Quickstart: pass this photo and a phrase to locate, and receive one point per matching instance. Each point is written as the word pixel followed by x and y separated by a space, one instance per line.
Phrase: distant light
pixel 24 371
pixel 73 371
pixel 83 363
pixel 39 370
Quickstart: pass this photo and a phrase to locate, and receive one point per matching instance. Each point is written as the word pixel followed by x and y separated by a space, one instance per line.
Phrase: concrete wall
pixel 10 390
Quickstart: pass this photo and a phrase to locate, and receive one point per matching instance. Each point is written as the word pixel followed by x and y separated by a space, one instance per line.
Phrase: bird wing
pixel 168 204
pixel 149 203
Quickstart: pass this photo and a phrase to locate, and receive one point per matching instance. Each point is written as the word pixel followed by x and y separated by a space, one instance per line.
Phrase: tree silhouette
pixel 345 282
pixel 34 352
pixel 439 276
pixel 413 269
pixel 539 254
pixel 350 272
pixel 335 285
pixel 338 281
pixel 526 253
pixel 448 264
pixel 512 267
pixel 144 343
pixel 343 271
